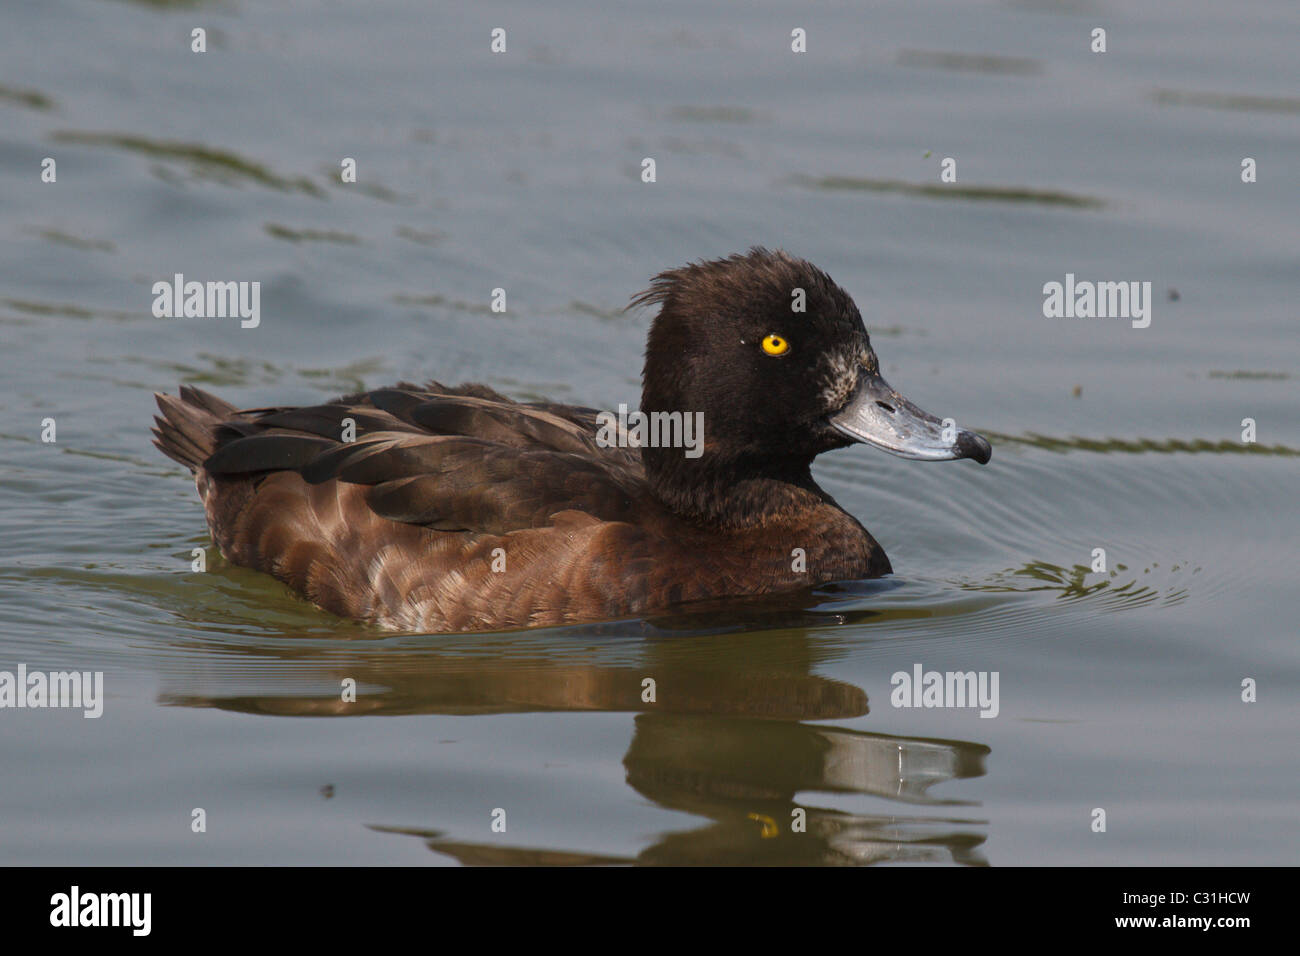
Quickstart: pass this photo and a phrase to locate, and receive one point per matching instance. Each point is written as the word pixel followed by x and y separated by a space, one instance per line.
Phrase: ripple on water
pixel 1019 545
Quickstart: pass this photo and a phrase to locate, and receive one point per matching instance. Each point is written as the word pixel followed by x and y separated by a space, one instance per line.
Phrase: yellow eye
pixel 775 345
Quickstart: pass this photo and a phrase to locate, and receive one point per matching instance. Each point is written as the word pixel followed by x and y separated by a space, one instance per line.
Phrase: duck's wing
pixel 463 459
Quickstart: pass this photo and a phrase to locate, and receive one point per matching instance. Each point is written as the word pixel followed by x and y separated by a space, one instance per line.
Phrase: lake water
pixel 1118 690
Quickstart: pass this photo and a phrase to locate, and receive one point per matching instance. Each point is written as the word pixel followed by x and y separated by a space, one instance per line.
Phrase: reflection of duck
pixel 725 739
pixel 744 776
pixel 453 509
pixel 766 675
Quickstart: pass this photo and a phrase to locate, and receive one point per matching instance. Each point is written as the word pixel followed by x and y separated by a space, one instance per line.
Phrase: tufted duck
pixel 441 509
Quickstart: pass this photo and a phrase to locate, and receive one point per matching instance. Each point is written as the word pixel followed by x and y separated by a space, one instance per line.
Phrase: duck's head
pixel 775 356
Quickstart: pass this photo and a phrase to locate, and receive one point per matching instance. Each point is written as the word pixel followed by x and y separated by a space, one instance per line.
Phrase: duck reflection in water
pixel 726 739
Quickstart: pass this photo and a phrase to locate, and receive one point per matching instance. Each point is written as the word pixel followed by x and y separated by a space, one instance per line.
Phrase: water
pixel 1118 690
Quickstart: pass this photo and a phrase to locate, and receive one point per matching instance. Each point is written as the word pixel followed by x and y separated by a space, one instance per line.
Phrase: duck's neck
pixel 730 493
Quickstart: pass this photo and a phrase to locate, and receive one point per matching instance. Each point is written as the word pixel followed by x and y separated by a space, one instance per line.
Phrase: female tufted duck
pixel 455 508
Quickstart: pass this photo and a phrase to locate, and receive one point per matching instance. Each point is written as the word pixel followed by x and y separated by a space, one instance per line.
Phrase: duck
pixel 442 509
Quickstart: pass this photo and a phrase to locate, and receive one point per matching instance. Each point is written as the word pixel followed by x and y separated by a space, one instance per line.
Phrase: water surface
pixel 1118 690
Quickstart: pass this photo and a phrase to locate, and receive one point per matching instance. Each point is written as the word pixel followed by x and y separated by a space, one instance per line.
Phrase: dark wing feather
pixel 462 459
pixel 398 402
pixel 328 421
pixel 270 452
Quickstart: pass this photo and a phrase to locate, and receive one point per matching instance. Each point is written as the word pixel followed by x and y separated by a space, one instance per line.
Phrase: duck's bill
pixel 878 415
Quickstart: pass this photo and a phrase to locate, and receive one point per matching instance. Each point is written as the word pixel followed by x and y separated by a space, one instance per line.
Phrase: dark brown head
pixel 775 356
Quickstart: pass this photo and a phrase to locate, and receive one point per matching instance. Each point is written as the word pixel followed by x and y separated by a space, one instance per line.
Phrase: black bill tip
pixel 974 446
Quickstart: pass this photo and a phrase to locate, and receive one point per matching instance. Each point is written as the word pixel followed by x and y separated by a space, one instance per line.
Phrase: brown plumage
pixel 456 508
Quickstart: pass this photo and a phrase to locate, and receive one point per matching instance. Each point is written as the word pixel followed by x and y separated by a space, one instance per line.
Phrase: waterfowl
pixel 439 509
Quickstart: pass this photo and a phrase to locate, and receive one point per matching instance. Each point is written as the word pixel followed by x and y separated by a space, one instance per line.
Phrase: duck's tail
pixel 186 430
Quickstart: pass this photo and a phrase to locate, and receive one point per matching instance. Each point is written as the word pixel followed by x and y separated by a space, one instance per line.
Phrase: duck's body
pixel 453 509
pixel 509 515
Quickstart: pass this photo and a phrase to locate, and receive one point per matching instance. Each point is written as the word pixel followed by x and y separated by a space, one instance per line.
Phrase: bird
pixel 439 509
